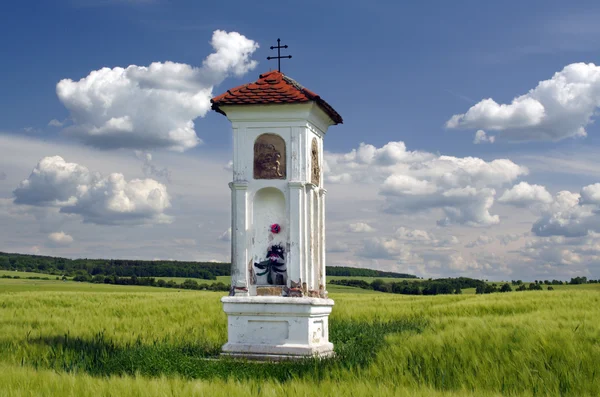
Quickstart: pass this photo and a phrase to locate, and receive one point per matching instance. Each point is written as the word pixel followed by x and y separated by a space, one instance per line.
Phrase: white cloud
pixel 360 227
pixel 150 169
pixel 52 182
pixel 558 108
pixel 388 248
pixel 60 238
pixel 480 241
pixel 571 214
pixel 423 238
pixel 461 264
pixel 407 234
pixel 56 123
pixel 155 106
pixel 482 137
pixel 551 251
pixel 590 195
pixel 524 195
pixel 562 257
pixel 101 200
pixel 463 188
pixel 226 236
pixel 508 238
pixel 31 130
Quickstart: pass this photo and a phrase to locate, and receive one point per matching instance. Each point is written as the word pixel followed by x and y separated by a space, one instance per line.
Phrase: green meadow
pixel 75 339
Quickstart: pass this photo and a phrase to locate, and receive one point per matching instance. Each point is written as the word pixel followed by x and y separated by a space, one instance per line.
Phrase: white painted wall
pixel 300 207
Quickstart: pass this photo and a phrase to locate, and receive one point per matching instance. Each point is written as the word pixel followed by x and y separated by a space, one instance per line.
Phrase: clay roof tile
pixel 272 87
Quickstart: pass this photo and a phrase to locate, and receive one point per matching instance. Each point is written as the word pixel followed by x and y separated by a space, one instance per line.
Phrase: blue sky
pixel 395 71
pixel 392 70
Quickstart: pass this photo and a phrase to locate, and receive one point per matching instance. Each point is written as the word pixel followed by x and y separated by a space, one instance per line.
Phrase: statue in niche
pixel 269 157
pixel 316 171
pixel 274 266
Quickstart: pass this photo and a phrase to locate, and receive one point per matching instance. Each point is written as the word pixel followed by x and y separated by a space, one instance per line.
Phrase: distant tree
pixel 521 287
pixel 505 288
pixel 377 285
pixel 578 280
pixel 550 288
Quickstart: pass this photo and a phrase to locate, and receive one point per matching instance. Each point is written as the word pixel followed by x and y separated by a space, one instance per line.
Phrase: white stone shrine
pixel 278 306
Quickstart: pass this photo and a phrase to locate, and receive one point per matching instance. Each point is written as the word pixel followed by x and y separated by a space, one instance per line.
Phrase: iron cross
pixel 278 57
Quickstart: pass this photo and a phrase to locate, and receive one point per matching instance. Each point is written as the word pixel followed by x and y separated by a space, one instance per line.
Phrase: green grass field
pixel 74 339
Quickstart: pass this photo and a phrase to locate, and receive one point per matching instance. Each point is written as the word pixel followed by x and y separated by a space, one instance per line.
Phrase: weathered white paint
pixel 268 327
pixel 278 326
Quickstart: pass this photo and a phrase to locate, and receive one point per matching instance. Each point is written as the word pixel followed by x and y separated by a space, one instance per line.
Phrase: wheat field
pixel 69 339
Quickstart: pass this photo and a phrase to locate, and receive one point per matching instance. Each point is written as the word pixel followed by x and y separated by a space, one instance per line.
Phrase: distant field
pixel 26 274
pixel 371 279
pixel 24 285
pixel 74 339
pixel 179 280
pixel 42 284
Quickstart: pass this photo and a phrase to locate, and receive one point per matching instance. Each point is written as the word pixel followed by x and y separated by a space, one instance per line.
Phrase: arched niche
pixel 268 209
pixel 269 157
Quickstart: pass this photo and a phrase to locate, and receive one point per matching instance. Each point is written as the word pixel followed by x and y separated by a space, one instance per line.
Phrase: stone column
pixel 295 256
pixel 322 280
pixel 239 227
pixel 312 237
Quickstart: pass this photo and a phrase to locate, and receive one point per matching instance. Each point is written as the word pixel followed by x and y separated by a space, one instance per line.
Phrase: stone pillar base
pixel 273 328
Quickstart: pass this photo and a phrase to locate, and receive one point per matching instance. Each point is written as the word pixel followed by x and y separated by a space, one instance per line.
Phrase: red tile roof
pixel 272 87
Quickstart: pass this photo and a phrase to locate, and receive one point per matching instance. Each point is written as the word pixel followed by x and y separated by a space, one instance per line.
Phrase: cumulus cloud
pixel 102 200
pixel 571 214
pixel 482 137
pixel 551 251
pixel 59 238
pixel 558 108
pixel 562 257
pixel 360 227
pixel 459 263
pixel 388 248
pixel 53 181
pixel 463 188
pixel 524 195
pixel 590 195
pixel 154 106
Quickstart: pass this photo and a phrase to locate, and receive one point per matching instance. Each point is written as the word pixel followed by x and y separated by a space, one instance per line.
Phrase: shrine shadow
pixel 356 345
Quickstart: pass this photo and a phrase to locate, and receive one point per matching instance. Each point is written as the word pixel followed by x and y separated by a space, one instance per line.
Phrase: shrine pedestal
pixel 277 328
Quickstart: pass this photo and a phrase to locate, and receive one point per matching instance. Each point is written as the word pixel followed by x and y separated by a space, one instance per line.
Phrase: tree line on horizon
pixel 143 268
pixel 452 285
